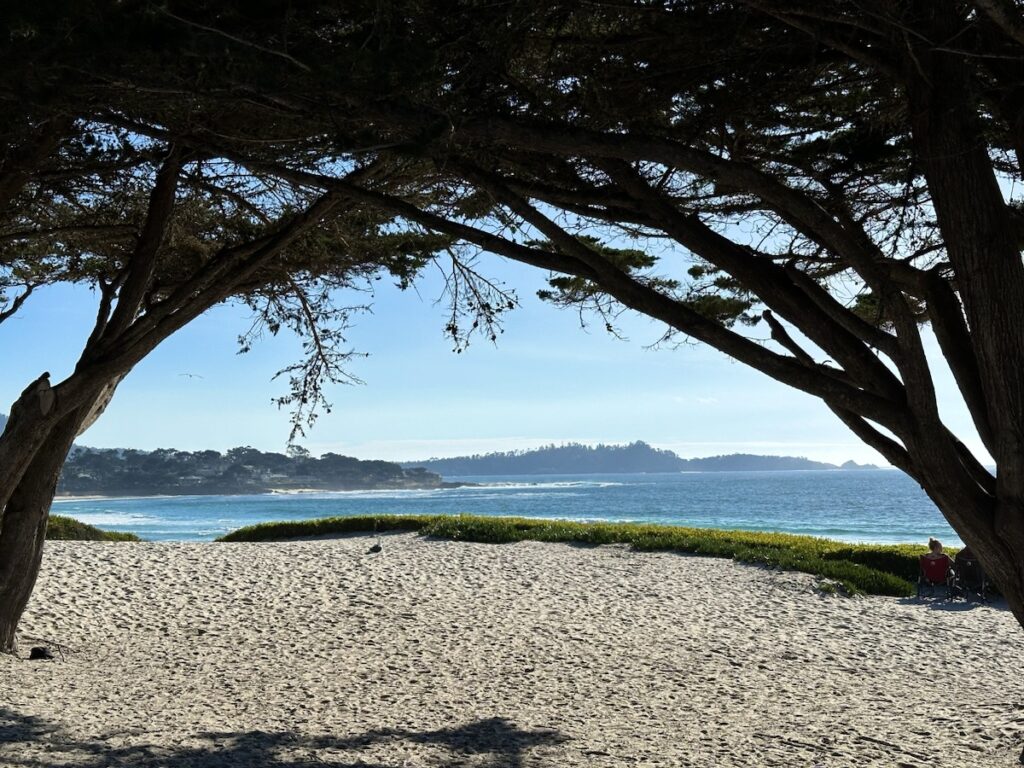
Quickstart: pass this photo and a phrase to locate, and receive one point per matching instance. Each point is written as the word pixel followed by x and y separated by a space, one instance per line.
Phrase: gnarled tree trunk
pixel 24 526
pixel 33 448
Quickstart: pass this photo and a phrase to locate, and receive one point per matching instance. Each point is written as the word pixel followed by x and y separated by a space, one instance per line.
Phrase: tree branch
pixel 280 54
pixel 76 229
pixel 892 451
pixel 632 293
pixel 192 299
pixel 867 55
pixel 954 339
pixel 824 300
pixel 765 279
pixel 20 162
pixel 108 291
pixel 782 337
pixel 1006 15
pixel 17 302
pixel 798 209
pixel 143 260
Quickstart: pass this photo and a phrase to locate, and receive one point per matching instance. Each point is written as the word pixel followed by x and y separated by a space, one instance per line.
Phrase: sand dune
pixel 436 653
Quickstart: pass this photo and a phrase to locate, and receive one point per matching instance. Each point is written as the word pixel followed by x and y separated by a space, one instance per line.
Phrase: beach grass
pixel 856 568
pixel 67 529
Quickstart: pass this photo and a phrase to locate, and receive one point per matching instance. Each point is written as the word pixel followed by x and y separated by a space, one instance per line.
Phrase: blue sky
pixel 547 380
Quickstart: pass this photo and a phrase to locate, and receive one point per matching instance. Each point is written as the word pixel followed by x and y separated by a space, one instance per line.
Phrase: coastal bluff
pixel 636 457
pixel 126 472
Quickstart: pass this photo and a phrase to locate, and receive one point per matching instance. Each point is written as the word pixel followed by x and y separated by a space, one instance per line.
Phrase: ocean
pixel 876 506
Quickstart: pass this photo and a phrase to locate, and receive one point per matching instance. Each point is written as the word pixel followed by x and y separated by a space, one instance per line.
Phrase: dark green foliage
pixel 571 458
pixel 572 291
pixel 241 470
pixel 874 569
pixel 66 529
pixel 327 526
pixel 577 459
pixel 900 560
pixel 868 307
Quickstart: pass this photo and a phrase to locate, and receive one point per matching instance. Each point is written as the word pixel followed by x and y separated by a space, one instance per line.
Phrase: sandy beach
pixel 438 653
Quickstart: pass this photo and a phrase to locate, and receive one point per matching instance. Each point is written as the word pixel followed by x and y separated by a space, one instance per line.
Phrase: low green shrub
pixel 67 529
pixel 326 526
pixel 874 569
pixel 898 559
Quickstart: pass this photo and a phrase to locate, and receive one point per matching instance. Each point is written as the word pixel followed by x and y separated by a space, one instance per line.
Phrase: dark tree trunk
pixel 981 241
pixel 24 527
pixel 40 431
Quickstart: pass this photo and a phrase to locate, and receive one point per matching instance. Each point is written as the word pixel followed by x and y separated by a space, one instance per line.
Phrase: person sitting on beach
pixel 935 547
pixel 936 567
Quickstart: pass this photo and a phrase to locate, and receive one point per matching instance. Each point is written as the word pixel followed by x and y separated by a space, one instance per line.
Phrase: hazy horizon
pixel 547 381
pixel 521 446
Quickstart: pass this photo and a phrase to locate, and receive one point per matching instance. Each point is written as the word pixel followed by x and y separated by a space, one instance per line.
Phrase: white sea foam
pixel 519 494
pixel 79 499
pixel 384 493
pixel 558 484
pixel 112 518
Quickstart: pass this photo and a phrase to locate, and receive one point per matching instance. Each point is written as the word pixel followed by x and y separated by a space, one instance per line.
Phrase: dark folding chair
pixel 969 578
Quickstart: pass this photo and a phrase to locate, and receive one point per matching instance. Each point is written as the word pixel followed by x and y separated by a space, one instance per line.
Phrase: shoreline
pixel 881 507
pixel 447 484
pixel 435 653
pixel 266 492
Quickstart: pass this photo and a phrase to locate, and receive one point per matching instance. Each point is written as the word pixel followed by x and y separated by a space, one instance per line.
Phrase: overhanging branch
pixel 143 260
pixel 768 281
pixel 16 302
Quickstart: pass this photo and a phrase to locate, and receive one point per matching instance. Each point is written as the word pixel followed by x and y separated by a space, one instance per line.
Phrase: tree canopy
pixel 801 186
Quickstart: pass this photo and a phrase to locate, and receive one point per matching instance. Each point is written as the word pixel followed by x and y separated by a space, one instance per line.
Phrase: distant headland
pixel 126 472
pixel 579 459
pixel 244 470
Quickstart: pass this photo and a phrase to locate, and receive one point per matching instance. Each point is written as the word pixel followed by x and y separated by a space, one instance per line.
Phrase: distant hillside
pixel 123 472
pixel 119 471
pixel 577 459
pixel 127 472
pixel 749 462
pixel 570 459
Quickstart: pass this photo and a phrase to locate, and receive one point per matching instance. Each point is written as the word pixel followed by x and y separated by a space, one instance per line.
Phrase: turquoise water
pixel 858 506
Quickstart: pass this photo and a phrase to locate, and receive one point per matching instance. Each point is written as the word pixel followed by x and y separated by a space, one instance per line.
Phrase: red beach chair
pixel 935 572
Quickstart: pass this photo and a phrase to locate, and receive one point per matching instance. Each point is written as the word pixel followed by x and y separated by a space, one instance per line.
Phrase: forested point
pixel 126 472
pixel 580 459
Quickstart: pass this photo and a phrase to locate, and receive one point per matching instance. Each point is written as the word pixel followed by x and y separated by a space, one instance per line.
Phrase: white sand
pixel 437 653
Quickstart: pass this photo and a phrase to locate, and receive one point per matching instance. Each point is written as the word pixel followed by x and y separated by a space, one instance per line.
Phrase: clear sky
pixel 546 381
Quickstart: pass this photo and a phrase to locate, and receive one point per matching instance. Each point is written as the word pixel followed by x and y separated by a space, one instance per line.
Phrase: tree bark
pixel 24 527
pixel 980 239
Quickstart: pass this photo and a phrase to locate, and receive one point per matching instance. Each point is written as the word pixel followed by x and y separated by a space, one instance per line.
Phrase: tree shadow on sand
pixel 937 602
pixel 31 742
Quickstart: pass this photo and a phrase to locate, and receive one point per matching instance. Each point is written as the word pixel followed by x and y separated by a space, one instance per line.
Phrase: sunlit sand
pixel 440 653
